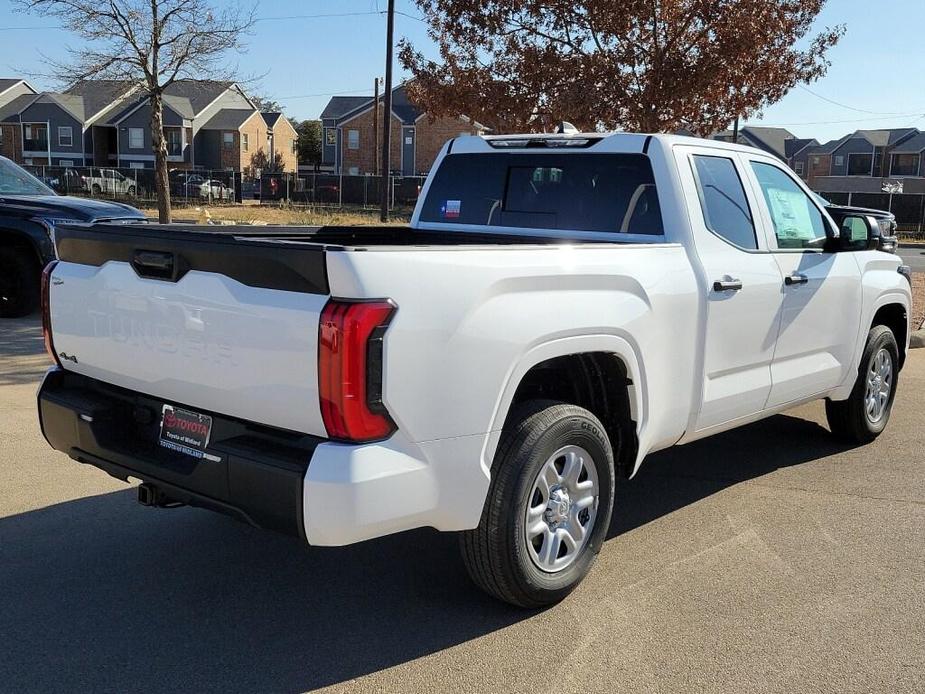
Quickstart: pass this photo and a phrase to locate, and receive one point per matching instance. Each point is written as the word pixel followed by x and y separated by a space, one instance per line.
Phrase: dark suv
pixel 29 211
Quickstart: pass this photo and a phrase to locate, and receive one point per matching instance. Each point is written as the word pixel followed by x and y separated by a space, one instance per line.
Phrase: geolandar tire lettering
pixel 548 508
pixel 864 415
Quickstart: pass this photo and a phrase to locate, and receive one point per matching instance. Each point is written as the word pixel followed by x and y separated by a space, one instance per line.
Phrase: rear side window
pixel 722 199
pixel 580 192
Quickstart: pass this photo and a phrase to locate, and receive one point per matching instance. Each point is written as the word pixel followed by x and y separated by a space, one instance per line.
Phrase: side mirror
pixel 859 232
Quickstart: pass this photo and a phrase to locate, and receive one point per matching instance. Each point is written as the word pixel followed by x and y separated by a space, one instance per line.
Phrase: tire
pixel 498 554
pixel 95 189
pixel 19 283
pixel 131 191
pixel 858 419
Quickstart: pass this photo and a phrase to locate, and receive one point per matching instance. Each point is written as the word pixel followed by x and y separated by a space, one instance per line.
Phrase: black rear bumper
pixel 252 472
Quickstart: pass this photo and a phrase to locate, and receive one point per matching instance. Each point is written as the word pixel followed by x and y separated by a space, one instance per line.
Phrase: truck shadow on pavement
pixel 22 351
pixel 100 595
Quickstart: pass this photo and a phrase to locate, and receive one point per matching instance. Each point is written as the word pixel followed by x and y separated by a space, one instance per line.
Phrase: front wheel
pixel 864 415
pixel 548 507
pixel 131 191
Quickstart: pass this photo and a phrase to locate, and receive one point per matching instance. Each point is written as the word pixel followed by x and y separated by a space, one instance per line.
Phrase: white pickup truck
pixel 560 307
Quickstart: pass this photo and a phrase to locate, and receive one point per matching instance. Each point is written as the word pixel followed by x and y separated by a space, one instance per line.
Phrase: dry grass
pixel 270 214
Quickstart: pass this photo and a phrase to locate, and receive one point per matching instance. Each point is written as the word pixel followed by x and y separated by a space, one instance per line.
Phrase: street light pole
pixel 387 116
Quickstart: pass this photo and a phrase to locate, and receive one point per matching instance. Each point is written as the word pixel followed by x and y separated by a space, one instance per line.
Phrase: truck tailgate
pixel 209 321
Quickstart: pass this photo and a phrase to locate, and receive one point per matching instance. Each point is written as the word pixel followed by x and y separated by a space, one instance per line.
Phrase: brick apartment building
pixel 349 136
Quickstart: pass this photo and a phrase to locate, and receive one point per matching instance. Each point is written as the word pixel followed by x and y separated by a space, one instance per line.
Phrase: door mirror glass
pixel 859 233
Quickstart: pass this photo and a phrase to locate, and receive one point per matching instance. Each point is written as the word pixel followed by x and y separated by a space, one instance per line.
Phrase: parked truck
pixel 29 212
pixel 560 307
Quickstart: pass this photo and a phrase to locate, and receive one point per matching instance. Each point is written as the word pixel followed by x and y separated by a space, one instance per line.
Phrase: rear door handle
pixel 795 278
pixel 727 285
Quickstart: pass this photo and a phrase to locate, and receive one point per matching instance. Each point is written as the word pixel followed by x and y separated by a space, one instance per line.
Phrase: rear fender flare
pixel 620 346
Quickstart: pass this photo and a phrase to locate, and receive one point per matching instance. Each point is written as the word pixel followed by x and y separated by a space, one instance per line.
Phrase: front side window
pixel 136 138
pixel 65 136
pixel 798 223
pixel 722 199
pixel 569 192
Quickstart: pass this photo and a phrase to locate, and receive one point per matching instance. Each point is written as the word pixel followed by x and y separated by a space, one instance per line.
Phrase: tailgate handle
pixel 155 265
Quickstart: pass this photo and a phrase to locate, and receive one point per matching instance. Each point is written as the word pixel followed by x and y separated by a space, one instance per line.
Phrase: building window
pixel 244 142
pixel 228 139
pixel 798 167
pixel 353 171
pixel 295 146
pixel 815 161
pixel 353 139
pixel 839 160
pixel 27 161
pixel 66 163
pixel 330 137
pixel 905 165
pixel 860 164
pixel 136 138
pixel 136 165
pixel 174 142
pixel 65 136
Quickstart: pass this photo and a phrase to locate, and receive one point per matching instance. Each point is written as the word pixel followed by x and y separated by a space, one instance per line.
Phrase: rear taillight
pixel 46 311
pixel 350 369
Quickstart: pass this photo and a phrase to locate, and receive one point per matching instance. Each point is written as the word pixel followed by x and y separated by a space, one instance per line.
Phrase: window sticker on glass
pixel 451 209
pixel 790 213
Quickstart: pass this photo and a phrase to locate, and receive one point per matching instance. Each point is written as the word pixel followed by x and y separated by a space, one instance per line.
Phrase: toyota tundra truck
pixel 559 307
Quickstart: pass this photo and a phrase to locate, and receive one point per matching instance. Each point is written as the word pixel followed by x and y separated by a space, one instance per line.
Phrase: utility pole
pixel 735 130
pixel 387 116
pixel 376 125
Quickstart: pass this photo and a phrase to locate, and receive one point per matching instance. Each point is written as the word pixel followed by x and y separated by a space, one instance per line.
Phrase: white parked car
pixel 215 190
pixel 561 307
pixel 108 181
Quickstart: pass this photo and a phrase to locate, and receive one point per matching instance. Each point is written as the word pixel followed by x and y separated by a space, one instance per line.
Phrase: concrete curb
pixel 917 339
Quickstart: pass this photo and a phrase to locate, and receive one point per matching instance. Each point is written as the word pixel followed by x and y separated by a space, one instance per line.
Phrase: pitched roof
pixel 828 147
pixel 228 119
pixel 270 117
pixel 774 140
pixel 340 105
pixel 15 107
pixel 885 137
pixel 101 94
pixel 402 106
pixel 200 93
pixel 913 145
pixel 7 82
pixel 181 105
pixel 796 144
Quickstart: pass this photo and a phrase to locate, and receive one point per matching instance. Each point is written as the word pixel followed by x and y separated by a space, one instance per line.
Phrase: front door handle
pixel 727 285
pixel 795 278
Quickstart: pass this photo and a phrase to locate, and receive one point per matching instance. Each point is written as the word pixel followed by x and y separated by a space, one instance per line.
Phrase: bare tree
pixel 153 42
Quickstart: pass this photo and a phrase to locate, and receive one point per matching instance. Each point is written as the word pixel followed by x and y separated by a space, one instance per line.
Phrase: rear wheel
pixel 95 189
pixel 19 283
pixel 548 506
pixel 864 415
pixel 131 191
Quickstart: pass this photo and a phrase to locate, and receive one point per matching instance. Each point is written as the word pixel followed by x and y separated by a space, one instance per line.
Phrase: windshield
pixel 563 191
pixel 15 180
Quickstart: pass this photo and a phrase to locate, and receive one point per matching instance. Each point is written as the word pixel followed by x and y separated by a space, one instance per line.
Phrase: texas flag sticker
pixel 450 209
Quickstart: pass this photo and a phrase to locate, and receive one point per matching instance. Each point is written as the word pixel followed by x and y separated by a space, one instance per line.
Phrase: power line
pixel 357 92
pixel 850 108
pixel 916 114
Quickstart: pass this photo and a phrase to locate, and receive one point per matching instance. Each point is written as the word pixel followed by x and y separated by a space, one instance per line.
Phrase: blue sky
pixel 877 78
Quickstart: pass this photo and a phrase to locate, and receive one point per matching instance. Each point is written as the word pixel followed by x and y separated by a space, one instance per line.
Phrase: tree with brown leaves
pixel 152 42
pixel 644 65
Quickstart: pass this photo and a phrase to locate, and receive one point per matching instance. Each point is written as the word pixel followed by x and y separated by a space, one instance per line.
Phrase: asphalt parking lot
pixel 768 559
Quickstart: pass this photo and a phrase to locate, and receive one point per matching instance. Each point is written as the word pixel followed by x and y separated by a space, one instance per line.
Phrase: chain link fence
pixel 223 187
pixel 136 186
pixel 336 190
